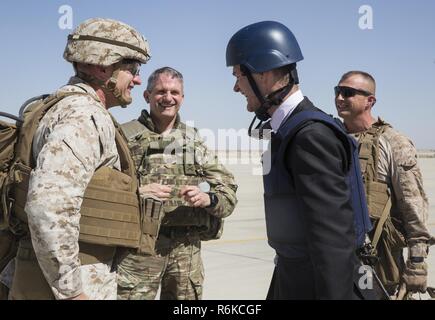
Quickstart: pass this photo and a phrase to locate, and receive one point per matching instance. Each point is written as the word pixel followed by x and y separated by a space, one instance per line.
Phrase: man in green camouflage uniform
pixel 396 198
pixel 174 166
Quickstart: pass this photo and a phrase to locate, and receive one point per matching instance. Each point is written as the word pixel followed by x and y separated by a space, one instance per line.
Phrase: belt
pixel 88 254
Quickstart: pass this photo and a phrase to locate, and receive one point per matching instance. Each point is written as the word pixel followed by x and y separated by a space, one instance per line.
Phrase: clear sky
pixel 191 36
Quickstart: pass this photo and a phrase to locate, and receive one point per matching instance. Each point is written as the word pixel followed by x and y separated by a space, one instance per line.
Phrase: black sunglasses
pixel 133 66
pixel 348 92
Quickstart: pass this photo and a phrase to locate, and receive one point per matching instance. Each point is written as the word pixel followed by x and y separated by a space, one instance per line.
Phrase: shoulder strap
pixel 381 222
pixel 293 124
pixel 368 161
pixel 304 116
pixel 369 150
pixel 358 199
pixel 31 122
pixel 133 128
pixel 125 158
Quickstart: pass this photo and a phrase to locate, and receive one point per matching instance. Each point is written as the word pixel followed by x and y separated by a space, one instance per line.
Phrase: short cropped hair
pixel 165 70
pixel 363 74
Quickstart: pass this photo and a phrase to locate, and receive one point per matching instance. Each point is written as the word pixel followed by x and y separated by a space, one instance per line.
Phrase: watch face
pixel 204 187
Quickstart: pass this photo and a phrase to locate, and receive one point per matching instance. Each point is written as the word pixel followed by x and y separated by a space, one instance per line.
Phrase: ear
pixel 372 101
pixel 146 95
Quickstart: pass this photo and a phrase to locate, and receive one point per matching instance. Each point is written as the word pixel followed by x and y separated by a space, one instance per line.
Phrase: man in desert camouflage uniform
pixel 394 186
pixel 174 166
pixel 73 142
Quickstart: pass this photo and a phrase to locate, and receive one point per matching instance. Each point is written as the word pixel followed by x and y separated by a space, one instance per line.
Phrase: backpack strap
pixel 20 163
pixel 381 222
pixel 28 128
pixel 369 149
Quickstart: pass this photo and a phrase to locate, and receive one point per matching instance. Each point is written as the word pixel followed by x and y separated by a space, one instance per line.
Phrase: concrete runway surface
pixel 239 265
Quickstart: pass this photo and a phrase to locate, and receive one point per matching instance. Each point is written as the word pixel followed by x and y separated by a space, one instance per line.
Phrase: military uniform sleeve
pixel 317 162
pixel 409 197
pixel 221 181
pixel 65 165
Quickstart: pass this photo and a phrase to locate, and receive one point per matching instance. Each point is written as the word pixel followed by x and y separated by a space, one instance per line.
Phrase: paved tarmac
pixel 239 265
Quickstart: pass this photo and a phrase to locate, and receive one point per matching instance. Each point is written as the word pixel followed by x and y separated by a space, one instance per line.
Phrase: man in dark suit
pixel 309 215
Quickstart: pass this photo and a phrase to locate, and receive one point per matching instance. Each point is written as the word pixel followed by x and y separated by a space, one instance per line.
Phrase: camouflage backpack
pixel 15 165
pixel 10 228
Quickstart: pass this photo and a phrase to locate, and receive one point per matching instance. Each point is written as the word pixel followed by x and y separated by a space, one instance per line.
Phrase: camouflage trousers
pixel 28 282
pixel 177 267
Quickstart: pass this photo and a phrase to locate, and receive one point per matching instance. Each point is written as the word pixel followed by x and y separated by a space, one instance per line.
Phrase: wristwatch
pixel 213 200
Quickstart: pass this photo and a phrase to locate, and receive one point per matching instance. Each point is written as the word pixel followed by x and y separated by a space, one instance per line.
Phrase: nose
pixel 339 101
pixel 137 81
pixel 236 87
pixel 167 96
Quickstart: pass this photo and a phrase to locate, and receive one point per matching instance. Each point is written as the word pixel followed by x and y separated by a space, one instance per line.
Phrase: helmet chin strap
pixel 109 88
pixel 112 88
pixel 261 112
pixel 273 99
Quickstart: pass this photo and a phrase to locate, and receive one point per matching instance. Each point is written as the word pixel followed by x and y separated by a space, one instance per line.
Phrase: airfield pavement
pixel 239 265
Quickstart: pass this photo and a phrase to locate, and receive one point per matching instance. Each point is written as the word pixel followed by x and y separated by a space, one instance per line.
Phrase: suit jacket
pixel 317 161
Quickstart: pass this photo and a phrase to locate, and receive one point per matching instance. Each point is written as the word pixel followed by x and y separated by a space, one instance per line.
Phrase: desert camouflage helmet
pixel 105 42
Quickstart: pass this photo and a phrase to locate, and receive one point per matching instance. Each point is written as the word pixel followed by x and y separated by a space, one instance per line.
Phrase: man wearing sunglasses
pixel 80 202
pixel 396 199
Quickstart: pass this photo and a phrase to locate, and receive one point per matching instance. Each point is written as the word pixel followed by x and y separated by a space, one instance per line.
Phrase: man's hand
pixel 415 276
pixel 162 192
pixel 195 197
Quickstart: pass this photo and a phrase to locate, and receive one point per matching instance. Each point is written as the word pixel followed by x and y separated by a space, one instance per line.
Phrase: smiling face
pixel 165 98
pixel 125 83
pixel 128 77
pixel 113 84
pixel 119 79
pixel 243 87
pixel 352 106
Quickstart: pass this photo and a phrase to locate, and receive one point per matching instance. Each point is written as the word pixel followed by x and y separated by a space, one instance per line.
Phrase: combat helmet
pixel 105 42
pixel 261 47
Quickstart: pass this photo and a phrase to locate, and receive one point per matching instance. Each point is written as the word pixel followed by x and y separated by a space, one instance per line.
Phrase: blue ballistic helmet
pixel 263 46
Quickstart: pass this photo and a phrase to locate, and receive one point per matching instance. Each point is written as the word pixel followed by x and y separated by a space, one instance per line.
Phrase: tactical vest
pixel 387 241
pixel 284 223
pixel 168 160
pixel 110 213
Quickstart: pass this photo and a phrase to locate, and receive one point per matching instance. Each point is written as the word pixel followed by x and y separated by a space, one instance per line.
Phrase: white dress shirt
pixel 285 109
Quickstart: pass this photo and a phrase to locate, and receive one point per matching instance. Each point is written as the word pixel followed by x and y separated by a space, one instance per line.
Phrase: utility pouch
pixel 214 230
pixel 151 218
